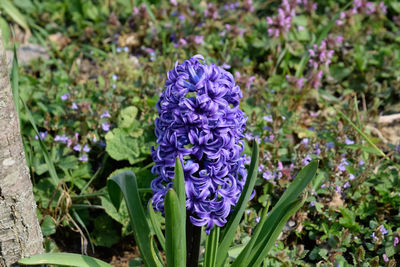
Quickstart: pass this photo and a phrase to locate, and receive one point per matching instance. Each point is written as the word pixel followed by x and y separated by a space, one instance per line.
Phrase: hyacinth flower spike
pixel 200 176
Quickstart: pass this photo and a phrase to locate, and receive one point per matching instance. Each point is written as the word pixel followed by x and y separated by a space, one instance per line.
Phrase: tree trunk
pixel 20 234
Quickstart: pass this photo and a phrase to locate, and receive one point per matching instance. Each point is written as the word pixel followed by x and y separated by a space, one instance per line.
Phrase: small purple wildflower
pixel 114 77
pixel 77 147
pixel 83 158
pixel 267 175
pixel 269 139
pixel 305 141
pixel 317 150
pixel 74 106
pixel 383 230
pixel 361 163
pixel 330 145
pixel 105 126
pixel 118 50
pixel 106 114
pixel 261 167
pixel 342 165
pixel 126 49
pixel 396 241
pixel 374 238
pixel 198 39
pixel 312 204
pixel 307 160
pixel 268 118
pixel 61 139
pixel 338 189
pixel 348 141
pixel 351 177
pixel 65 97
pixel 385 258
pixel 257 219
pixel 346 185
pixel 86 148
pixel 247 160
pixel 320 56
pixel 42 135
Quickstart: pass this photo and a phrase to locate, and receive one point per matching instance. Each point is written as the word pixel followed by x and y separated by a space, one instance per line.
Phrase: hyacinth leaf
pixel 64 259
pixel 155 222
pixel 174 231
pixel 210 256
pixel 287 205
pixel 179 186
pixel 246 251
pixel 122 184
pixel 275 229
pixel 230 228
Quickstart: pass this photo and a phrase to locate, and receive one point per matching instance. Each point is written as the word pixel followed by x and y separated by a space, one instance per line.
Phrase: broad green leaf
pixel 64 259
pixel 122 183
pixel 175 242
pixel 121 146
pixel 230 228
pixel 48 226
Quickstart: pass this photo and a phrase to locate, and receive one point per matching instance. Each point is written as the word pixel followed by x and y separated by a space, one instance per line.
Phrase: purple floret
pixel 201 123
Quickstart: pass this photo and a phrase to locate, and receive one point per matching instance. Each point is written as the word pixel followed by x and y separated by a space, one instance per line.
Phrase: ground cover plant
pixel 320 81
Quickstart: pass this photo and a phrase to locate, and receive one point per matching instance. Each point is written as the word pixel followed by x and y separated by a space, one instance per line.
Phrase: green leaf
pixel 174 226
pixel 127 117
pixel 5 30
pixel 210 256
pixel 121 146
pixel 14 13
pixel 121 215
pixel 156 223
pixel 230 228
pixel 48 226
pixel 64 259
pixel 287 205
pixel 122 183
pixel 179 186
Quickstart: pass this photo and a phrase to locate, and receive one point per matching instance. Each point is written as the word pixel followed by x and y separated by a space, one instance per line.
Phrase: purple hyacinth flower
pixel 201 123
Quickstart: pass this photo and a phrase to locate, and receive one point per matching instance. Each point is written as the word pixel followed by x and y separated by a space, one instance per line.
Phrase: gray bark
pixel 20 234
